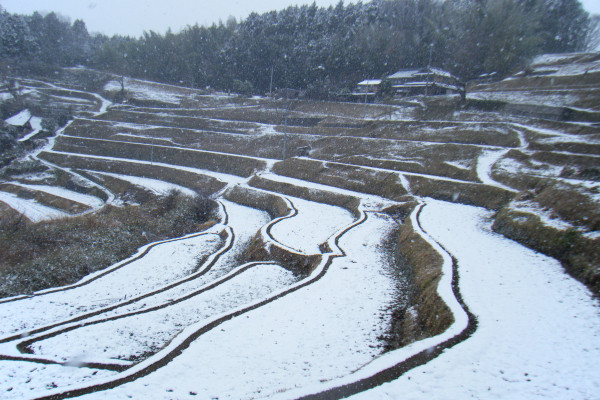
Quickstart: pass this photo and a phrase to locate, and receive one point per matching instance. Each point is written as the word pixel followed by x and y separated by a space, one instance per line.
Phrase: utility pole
pixel 428 68
pixel 271 85
pixel 287 107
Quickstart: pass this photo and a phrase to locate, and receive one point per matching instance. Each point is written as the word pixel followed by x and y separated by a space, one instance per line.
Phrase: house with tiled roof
pixel 425 81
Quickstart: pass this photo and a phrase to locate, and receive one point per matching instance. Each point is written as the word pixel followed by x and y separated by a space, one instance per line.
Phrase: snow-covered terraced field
pixel 379 212
pixel 154 267
pixel 312 225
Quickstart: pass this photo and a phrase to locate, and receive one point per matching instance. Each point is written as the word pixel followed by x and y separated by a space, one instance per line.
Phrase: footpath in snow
pixel 539 330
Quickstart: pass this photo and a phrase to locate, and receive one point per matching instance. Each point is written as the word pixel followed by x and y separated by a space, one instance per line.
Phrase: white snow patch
pixel 27 380
pixel 154 185
pixel 462 164
pixel 36 124
pixel 545 216
pixel 312 226
pixel 5 96
pixel 91 201
pixel 144 91
pixel 31 209
pixel 485 163
pixel 19 119
pixel 138 334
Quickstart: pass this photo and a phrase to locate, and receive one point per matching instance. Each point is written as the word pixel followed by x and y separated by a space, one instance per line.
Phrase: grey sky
pixel 133 17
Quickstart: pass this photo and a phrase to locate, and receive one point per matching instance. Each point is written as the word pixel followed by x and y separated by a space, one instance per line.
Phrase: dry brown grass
pixel 224 163
pixel 343 176
pixel 62 251
pixel 275 205
pixel 426 314
pixel 252 143
pixel 110 123
pixel 320 196
pixel 571 147
pixel 571 203
pixel 476 194
pixel 122 189
pixel 409 156
pixel 492 134
pixel 579 255
pixel 582 165
pixel 259 250
pixel 300 264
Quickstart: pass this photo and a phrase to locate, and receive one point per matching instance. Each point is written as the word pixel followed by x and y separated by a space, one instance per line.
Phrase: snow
pixel 485 163
pixel 28 380
pixel 36 124
pixel 368 201
pixel 5 96
pixel 545 216
pixel 534 168
pixel 156 186
pixel 370 82
pixel 404 74
pixel 575 69
pixel 31 209
pixel 538 334
pixel 554 58
pixel 570 139
pixel 232 179
pixel 139 335
pixel 554 98
pixel 91 201
pixel 312 226
pixel 311 334
pixel 144 91
pixel 19 119
pixel 164 263
pixel 244 222
pixel 461 164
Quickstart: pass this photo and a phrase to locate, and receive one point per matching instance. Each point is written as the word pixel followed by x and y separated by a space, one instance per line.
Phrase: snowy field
pixel 538 332
pixel 199 317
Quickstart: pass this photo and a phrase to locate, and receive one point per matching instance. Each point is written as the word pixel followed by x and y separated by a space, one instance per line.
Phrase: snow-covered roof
pixel 19 119
pixel 368 82
pixel 5 96
pixel 412 73
pixel 423 84
pixel 440 72
pixel 405 73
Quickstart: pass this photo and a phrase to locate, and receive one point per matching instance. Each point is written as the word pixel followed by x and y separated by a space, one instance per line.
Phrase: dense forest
pixel 322 50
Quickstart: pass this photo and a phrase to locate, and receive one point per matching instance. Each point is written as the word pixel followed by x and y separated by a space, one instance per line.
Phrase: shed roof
pixel 405 73
pixel 368 82
pixel 19 119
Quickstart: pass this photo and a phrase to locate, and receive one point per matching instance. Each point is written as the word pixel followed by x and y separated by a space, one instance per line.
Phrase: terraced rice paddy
pixel 319 277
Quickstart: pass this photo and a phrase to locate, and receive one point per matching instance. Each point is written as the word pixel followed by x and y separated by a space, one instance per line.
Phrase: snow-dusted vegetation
pixel 166 242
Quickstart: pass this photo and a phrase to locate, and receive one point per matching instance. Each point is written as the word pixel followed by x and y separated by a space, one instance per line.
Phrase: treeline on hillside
pixel 319 49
